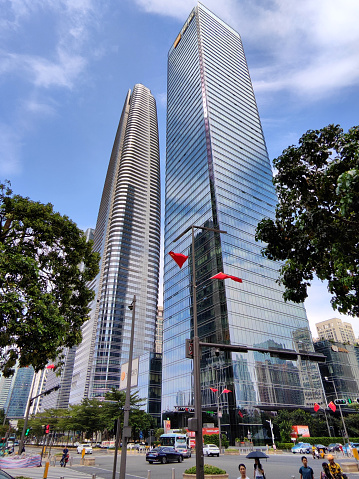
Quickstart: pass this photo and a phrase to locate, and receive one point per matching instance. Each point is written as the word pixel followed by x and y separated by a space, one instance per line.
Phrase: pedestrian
pixel 313 451
pixel 305 471
pixel 325 473
pixel 243 471
pixel 258 470
pixel 335 469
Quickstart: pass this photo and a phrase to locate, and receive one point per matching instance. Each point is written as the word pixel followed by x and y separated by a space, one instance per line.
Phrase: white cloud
pixel 307 48
pixel 9 152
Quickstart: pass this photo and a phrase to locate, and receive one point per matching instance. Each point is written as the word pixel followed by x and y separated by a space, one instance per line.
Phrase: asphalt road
pixel 281 466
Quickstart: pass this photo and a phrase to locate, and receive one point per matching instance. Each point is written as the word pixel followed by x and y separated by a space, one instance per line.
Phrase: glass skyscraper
pixel 127 236
pixel 218 175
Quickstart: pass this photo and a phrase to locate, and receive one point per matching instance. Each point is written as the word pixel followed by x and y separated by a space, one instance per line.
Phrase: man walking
pixel 305 471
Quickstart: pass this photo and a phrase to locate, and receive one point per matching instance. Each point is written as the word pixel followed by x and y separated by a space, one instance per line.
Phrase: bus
pixel 179 441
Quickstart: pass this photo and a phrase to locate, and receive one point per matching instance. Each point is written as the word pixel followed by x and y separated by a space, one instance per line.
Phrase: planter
pixel 206 476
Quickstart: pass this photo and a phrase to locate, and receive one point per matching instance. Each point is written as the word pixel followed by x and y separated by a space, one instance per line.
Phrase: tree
pixel 316 225
pixel 45 264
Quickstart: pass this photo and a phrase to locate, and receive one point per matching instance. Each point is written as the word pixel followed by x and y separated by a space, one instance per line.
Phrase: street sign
pixel 189 349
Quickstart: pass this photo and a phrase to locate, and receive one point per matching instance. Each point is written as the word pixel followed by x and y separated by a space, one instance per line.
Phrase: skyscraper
pixel 336 330
pixel 218 175
pixel 127 236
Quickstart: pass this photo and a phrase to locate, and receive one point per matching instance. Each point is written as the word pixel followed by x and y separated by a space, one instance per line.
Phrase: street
pixel 280 466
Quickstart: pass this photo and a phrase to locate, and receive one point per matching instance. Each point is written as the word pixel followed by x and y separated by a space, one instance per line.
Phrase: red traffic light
pixel 47 429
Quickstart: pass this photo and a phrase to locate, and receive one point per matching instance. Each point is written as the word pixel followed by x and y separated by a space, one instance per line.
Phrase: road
pixel 280 466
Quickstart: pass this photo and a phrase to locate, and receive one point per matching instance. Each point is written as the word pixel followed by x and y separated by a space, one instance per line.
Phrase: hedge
pixel 207 470
pixel 324 440
pixel 284 445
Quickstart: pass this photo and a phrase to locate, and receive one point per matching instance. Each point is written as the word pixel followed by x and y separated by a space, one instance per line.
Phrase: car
pixel 87 447
pixel 164 455
pixel 302 448
pixel 210 450
pixel 334 447
pixel 184 450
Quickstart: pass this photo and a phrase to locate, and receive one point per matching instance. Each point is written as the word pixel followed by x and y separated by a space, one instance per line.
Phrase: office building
pixel 127 236
pixel 218 175
pixel 340 372
pixel 336 330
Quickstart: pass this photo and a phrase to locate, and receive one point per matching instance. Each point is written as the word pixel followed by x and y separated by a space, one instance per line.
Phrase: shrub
pixel 284 445
pixel 207 470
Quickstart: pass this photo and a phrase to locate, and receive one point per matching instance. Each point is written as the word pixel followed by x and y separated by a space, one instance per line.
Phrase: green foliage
pixel 316 228
pixel 284 445
pixel 325 440
pixel 214 439
pixel 207 470
pixel 44 294
pixel 286 419
pixel 159 432
pixel 91 416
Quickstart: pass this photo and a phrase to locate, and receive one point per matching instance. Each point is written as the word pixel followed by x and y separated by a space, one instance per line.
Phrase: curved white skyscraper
pixel 127 236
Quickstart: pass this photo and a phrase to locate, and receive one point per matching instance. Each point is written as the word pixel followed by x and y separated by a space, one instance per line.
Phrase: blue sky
pixel 66 65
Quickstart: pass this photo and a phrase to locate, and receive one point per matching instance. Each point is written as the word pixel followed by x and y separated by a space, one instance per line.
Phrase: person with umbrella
pixel 258 469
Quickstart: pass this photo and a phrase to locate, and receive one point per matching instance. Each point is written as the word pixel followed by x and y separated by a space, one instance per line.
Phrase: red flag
pixel 225 276
pixel 226 391
pixel 240 413
pixel 213 390
pixel 179 258
pixel 50 366
pixel 316 407
pixel 332 406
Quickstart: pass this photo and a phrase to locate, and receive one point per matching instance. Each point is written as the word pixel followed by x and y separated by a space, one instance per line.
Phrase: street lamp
pixel 219 413
pixel 271 430
pixel 126 416
pixel 340 409
pixel 195 424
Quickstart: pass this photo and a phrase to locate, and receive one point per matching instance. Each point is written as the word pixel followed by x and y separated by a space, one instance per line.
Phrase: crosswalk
pixel 54 472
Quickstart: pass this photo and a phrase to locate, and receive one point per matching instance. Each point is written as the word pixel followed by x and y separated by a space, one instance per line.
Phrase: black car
pixel 164 455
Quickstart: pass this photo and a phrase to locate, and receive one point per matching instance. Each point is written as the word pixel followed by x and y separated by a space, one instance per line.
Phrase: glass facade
pixel 149 383
pixel 127 236
pixel 341 367
pixel 218 174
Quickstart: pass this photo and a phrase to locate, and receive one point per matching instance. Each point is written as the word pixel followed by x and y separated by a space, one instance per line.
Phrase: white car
pixel 210 450
pixel 87 447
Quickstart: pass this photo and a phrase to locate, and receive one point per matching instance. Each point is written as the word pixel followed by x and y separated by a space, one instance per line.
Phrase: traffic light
pixel 349 401
pixel 340 402
pixel 47 429
pixel 27 431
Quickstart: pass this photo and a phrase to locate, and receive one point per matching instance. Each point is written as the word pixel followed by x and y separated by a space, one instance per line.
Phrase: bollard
pixel 173 473
pixel 93 476
pixel 148 474
pixel 47 464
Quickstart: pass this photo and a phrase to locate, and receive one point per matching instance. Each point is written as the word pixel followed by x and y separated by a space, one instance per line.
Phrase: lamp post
pixel 126 416
pixel 271 430
pixel 340 409
pixel 195 424
pixel 219 415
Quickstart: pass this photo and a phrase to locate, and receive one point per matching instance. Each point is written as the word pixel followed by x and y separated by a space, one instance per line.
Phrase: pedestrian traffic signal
pixel 47 429
pixel 340 402
pixel 27 431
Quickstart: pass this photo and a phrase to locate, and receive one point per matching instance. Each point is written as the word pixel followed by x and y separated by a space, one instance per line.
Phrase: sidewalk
pixel 54 472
